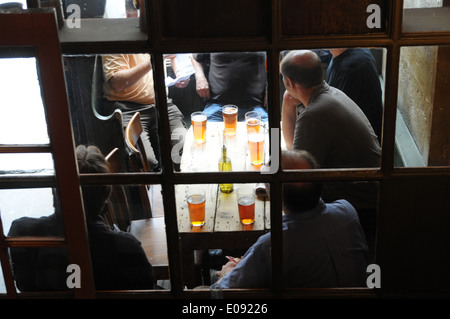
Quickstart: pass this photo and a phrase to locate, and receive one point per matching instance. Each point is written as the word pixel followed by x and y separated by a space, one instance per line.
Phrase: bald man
pixel 323 244
pixel 332 127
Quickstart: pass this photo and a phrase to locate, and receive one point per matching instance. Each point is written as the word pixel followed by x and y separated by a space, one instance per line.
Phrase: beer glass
pixel 198 121
pixel 253 121
pixel 256 147
pixel 230 115
pixel 196 203
pixel 246 204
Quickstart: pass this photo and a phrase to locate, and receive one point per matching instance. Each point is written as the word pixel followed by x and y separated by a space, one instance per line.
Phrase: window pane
pixel 108 9
pixel 206 82
pixel 127 236
pixel 340 121
pixel 28 204
pixel 40 268
pixel 101 112
pixel 22 108
pixel 423 115
pixel 102 20
pixel 151 232
pixel 323 244
pixel 2 281
pixel 37 163
pixel 426 15
pixel 213 225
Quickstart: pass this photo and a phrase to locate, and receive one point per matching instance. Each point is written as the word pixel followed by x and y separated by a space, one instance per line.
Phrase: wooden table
pixel 151 232
pixel 222 229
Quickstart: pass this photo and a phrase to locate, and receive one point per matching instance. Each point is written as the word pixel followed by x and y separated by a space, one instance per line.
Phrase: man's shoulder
pixel 342 208
pixel 32 226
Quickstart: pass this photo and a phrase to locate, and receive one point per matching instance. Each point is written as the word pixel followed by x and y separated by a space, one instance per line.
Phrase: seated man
pixel 324 244
pixel 128 86
pixel 237 78
pixel 118 259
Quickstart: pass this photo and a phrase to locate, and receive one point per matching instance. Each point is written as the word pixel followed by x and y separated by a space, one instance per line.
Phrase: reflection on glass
pixel 422 128
pixel 23 117
pixel 426 15
pixel 339 121
pixel 108 9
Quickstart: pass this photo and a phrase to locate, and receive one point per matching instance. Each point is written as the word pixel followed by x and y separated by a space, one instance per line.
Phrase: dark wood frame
pixel 392 217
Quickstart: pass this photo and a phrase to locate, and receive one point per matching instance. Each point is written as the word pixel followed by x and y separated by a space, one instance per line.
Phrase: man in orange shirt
pixel 128 85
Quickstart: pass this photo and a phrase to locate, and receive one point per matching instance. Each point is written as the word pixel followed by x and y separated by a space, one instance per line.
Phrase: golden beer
pixel 198 121
pixel 196 204
pixel 256 147
pixel 253 121
pixel 253 125
pixel 246 205
pixel 230 114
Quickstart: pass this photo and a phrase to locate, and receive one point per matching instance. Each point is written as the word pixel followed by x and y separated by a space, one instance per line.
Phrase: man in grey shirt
pixel 331 127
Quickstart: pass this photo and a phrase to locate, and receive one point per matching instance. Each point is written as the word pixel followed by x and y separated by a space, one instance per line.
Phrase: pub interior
pixel 201 56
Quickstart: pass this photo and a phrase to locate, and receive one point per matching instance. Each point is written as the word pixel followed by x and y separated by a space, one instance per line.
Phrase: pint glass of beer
pixel 196 203
pixel 230 115
pixel 256 147
pixel 246 204
pixel 253 121
pixel 198 121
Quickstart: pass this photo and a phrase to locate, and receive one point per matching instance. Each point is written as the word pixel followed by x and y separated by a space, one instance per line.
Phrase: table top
pixel 221 210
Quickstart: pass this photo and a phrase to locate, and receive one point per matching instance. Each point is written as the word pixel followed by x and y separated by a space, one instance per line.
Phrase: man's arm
pixel 124 79
pixel 288 118
pixel 202 85
pixel 253 269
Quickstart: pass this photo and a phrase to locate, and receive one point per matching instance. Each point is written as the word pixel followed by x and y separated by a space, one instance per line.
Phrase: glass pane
pixel 102 20
pixel 335 113
pixel 37 163
pixel 27 203
pixel 426 15
pixel 127 236
pixel 423 114
pixel 104 111
pixel 213 224
pixel 2 281
pixel 6 4
pixel 151 232
pixel 40 268
pixel 205 83
pixel 108 9
pixel 22 108
pixel 323 244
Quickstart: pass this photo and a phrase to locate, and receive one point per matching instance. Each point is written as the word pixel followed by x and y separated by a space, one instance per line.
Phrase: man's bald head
pixel 302 67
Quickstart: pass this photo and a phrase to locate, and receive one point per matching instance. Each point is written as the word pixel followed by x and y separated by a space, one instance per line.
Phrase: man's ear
pixel 289 82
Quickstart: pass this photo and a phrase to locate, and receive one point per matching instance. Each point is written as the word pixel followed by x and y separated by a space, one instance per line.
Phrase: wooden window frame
pixel 68 183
